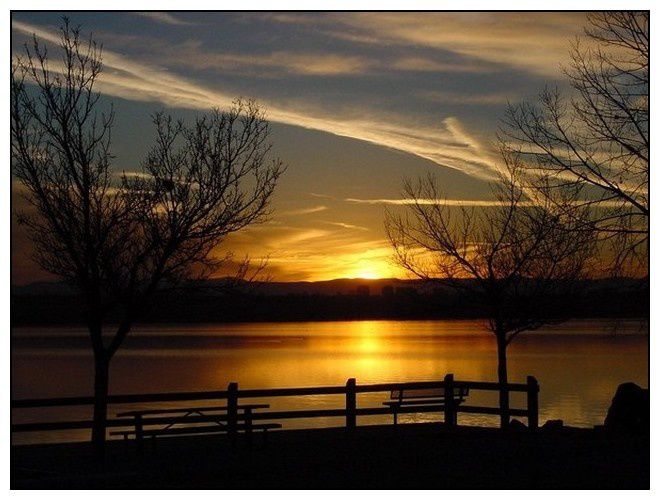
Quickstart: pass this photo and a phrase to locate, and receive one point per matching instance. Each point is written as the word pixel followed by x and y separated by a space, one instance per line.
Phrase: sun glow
pixel 320 257
pixel 370 270
pixel 368 275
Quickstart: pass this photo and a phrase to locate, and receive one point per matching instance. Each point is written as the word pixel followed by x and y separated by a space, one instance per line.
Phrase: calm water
pixel 578 364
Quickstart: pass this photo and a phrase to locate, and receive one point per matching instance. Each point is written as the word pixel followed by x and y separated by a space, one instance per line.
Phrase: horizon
pixel 374 280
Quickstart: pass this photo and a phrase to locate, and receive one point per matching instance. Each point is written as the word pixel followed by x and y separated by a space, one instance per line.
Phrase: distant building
pixel 363 290
pixel 405 290
pixel 387 291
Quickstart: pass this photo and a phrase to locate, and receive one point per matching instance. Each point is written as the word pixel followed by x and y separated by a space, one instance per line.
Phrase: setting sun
pixel 371 269
pixel 368 274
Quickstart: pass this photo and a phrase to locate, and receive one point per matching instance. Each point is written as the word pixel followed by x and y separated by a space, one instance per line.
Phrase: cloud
pixel 532 41
pixel 303 211
pixel 427 201
pixel 446 143
pixel 281 63
pixel 426 64
pixel 345 225
pixel 483 98
pixel 164 18
pixel 462 203
pixel 314 253
pixel 320 195
pixel 191 54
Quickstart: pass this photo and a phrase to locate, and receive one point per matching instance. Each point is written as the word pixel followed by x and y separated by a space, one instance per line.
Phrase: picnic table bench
pixel 425 399
pixel 217 416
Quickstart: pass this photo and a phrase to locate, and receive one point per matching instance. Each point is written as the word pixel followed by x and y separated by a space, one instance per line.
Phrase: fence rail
pixel 350 410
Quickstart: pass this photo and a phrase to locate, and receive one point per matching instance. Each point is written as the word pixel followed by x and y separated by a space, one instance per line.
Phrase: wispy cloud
pixel 534 42
pixel 305 62
pixel 428 201
pixel 164 18
pixel 463 203
pixel 302 253
pixel 191 54
pixel 346 225
pixel 425 64
pixel 477 99
pixel 446 144
pixel 303 211
pixel 321 195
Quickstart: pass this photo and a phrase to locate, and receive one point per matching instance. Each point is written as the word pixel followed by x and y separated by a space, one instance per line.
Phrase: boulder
pixel 516 425
pixel 552 425
pixel 630 410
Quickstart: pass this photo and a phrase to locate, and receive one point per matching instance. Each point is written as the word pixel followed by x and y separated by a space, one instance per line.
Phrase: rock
pixel 516 425
pixel 552 425
pixel 630 410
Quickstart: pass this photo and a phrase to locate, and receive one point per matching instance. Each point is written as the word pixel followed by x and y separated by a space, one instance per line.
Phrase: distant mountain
pixel 342 299
pixel 342 286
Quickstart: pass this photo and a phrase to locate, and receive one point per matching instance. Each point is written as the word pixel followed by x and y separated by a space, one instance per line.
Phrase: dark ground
pixel 412 456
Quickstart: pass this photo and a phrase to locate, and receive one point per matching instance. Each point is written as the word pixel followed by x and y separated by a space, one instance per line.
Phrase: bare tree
pixel 518 258
pixel 118 237
pixel 591 149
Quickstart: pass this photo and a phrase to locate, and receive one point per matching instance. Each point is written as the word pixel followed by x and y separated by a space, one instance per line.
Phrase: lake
pixel 578 364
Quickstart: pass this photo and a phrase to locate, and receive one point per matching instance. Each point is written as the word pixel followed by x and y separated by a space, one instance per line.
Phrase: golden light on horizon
pixel 371 269
pixel 372 264
pixel 368 275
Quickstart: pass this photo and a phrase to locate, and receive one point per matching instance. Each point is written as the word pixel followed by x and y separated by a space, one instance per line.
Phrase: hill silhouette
pixel 341 299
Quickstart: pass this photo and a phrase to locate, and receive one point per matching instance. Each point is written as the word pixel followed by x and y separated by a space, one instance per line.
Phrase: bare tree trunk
pixel 101 377
pixel 502 378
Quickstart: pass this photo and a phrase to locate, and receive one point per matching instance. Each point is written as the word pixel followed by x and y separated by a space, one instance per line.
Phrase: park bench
pixel 170 421
pixel 424 399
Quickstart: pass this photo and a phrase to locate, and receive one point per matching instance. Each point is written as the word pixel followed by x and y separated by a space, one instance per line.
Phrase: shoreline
pixel 410 456
pixel 454 319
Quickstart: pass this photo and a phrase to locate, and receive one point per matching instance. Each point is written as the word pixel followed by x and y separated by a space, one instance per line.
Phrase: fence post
pixel 450 411
pixel 232 409
pixel 532 403
pixel 350 403
pixel 139 432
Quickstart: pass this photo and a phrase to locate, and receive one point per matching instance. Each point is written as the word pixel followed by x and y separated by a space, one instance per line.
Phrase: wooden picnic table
pixel 197 409
pixel 181 416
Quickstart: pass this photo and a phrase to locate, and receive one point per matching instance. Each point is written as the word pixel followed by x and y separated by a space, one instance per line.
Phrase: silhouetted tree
pixel 591 149
pixel 117 238
pixel 518 257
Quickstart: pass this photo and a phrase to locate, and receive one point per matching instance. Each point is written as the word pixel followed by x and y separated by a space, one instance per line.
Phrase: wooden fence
pixel 350 411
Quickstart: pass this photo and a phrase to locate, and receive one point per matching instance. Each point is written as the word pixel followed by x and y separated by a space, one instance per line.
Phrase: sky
pixel 358 102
